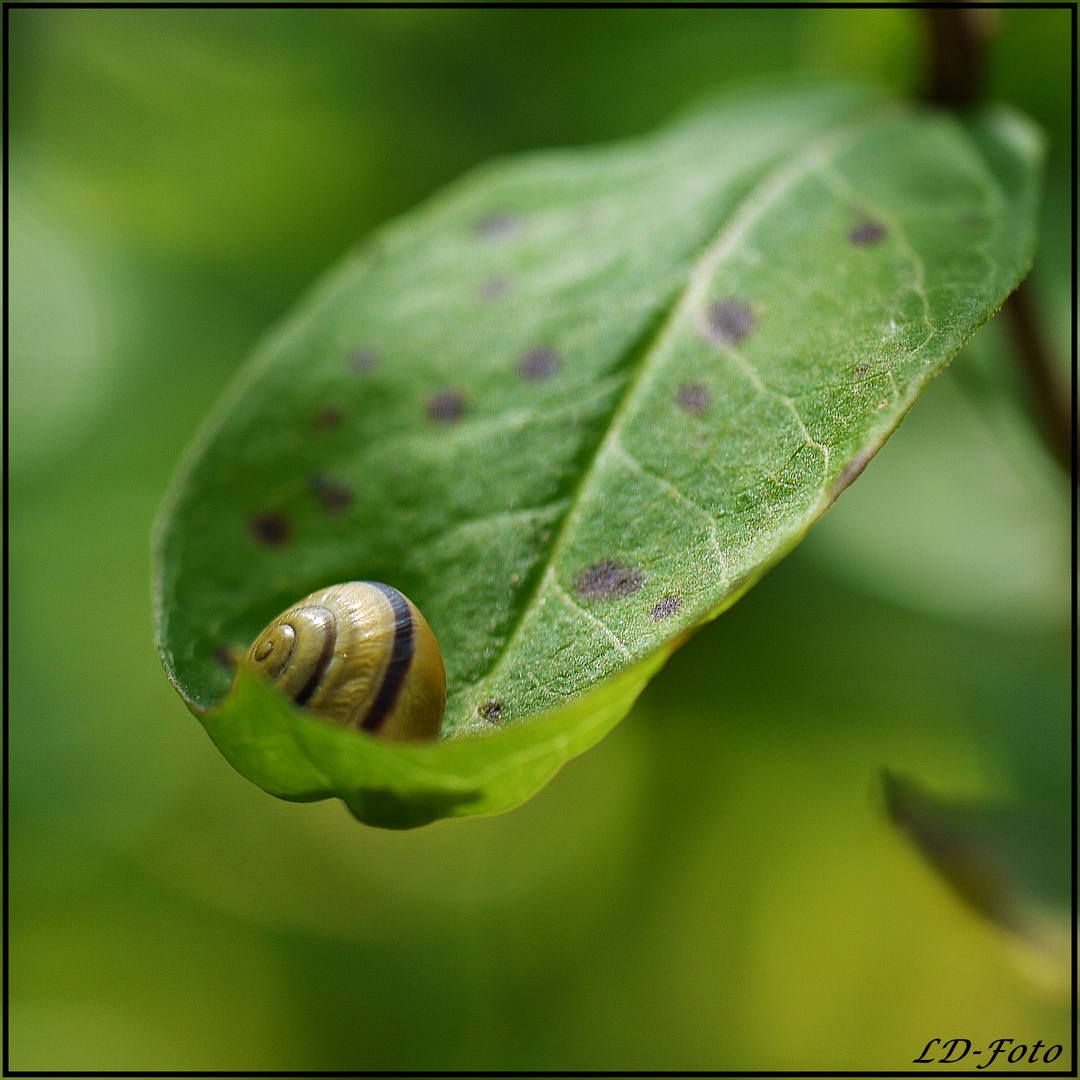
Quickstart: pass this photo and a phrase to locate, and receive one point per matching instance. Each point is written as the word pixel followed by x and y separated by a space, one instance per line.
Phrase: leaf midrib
pixel 748 211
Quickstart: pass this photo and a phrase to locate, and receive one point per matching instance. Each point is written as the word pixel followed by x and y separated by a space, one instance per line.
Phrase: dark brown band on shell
pixel 400 658
pixel 329 629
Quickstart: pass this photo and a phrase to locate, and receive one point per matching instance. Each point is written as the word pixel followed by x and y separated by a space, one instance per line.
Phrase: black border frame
pixel 1070 5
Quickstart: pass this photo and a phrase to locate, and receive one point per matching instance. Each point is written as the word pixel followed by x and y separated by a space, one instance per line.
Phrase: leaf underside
pixel 573 406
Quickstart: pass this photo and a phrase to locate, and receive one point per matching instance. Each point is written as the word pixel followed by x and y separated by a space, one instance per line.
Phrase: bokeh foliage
pixel 717 885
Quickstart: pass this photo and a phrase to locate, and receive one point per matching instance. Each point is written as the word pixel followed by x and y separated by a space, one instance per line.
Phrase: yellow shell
pixel 361 655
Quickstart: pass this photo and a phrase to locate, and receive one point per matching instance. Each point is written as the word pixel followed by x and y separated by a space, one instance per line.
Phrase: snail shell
pixel 360 655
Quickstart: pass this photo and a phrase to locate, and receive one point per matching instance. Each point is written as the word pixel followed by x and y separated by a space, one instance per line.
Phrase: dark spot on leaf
pixel 328 417
pixel 497 226
pixel 540 363
pixel 666 606
pixel 608 580
pixel 491 710
pixel 972 220
pixel 867 234
pixel 694 398
pixel 363 360
pixel 862 369
pixel 730 321
pixel 851 472
pixel 494 287
pixel 271 528
pixel 335 496
pixel 445 407
pixel 225 655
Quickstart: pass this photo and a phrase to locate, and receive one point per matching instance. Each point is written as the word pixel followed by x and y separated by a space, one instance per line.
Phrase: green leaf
pixel 573 407
pixel 1008 860
pixel 967 516
pixel 400 786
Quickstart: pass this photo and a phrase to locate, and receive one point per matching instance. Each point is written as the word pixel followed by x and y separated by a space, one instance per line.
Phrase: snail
pixel 358 654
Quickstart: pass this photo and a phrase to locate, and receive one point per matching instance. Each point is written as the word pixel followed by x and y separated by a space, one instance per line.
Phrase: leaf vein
pixel 680 496
pixel 616 641
pixel 762 197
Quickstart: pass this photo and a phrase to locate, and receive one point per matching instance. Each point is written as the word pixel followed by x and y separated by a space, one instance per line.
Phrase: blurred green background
pixel 717 885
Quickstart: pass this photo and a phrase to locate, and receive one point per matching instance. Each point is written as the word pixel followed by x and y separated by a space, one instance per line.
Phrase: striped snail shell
pixel 358 654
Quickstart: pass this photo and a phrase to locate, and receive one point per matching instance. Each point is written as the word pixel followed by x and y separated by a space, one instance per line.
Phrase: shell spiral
pixel 358 654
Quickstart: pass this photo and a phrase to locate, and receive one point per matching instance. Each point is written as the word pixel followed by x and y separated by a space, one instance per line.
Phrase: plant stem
pixel 1045 385
pixel 957 53
pixel 958 42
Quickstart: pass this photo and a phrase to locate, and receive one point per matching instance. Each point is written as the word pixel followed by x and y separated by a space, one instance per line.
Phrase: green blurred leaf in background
pixel 718 884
